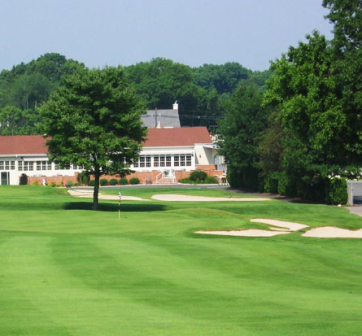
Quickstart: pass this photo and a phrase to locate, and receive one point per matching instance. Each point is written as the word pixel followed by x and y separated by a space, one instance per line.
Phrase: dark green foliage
pixel 224 78
pixel 186 180
pixel 92 183
pixel 271 183
pixel 240 133
pixel 134 180
pixel 69 184
pixel 93 120
pixel 113 182
pixel 23 179
pixel 83 177
pixel 198 175
pixel 26 87
pixel 211 180
pixel 337 191
pixel 123 181
pixel 103 182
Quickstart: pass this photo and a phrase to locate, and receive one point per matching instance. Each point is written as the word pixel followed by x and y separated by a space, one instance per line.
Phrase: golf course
pixel 141 268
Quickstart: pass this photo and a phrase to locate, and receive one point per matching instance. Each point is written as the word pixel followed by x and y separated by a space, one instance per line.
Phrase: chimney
pixel 175 106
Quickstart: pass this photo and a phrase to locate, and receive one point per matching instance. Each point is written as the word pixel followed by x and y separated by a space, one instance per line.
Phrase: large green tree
pixel 93 120
pixel 240 132
pixel 346 15
pixel 27 86
pixel 304 91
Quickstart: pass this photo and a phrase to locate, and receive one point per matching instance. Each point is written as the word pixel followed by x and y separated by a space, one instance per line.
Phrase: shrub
pixel 134 180
pixel 69 184
pixel 198 175
pixel 83 177
pixel 186 180
pixel 103 182
pixel 123 181
pixel 113 182
pixel 271 183
pixel 35 183
pixel 53 184
pixel 211 180
pixel 337 191
pixel 23 179
pixel 91 183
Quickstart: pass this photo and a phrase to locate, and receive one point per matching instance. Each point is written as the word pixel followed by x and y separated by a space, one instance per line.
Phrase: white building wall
pixel 18 165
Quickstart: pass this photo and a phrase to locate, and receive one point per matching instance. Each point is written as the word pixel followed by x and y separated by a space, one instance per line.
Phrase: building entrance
pixel 4 178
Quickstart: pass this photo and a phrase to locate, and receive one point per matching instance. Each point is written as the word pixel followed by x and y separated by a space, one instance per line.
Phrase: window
pixel 148 161
pixel 176 161
pixel 49 165
pixel 142 161
pixel 162 161
pixel 188 160
pixel 156 161
pixel 168 161
pixel 56 166
pixel 43 165
pixel 182 160
pixel 7 165
pixel 28 165
pixel 20 165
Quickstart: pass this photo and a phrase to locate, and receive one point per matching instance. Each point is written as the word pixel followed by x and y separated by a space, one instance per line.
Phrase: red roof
pixel 22 144
pixel 156 137
pixel 178 136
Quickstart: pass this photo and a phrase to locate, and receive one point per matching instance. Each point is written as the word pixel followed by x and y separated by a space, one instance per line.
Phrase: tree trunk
pixel 96 189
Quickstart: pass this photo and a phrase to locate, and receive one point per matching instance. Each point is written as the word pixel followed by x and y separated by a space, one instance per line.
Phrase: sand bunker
pixel 285 225
pixel 288 227
pixel 332 232
pixel 245 233
pixel 186 198
pixel 89 194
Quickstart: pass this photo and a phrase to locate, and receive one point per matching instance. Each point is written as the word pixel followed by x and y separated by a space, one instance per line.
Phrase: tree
pixel 346 15
pixel 240 131
pixel 303 89
pixel 224 78
pixel 93 120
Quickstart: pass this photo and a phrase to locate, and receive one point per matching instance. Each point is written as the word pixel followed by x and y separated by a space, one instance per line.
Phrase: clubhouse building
pixel 168 154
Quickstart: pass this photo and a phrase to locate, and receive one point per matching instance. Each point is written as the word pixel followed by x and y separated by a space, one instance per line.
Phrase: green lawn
pixel 66 270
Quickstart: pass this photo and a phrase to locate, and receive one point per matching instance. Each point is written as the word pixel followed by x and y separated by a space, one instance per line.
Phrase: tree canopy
pixel 93 121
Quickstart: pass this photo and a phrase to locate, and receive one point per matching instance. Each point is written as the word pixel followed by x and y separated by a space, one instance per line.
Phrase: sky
pixel 123 32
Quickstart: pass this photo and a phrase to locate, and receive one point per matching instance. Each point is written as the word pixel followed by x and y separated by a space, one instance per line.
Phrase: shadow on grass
pixel 114 207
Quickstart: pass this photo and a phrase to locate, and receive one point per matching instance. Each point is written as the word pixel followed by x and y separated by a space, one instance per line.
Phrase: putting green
pixel 66 270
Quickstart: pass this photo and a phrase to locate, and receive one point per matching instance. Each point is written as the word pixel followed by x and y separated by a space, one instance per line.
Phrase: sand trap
pixel 320 232
pixel 186 198
pixel 332 232
pixel 245 233
pixel 89 194
pixel 286 225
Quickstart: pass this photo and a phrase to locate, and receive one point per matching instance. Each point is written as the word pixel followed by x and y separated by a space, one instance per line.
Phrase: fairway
pixel 66 270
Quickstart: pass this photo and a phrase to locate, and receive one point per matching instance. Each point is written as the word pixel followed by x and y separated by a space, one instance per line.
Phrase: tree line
pixel 306 128
pixel 201 91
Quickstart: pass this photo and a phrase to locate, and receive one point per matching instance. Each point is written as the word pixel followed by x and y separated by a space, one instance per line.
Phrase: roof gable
pixel 22 144
pixel 156 137
pixel 180 136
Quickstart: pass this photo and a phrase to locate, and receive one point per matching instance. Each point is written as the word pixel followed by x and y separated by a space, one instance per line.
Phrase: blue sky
pixel 124 32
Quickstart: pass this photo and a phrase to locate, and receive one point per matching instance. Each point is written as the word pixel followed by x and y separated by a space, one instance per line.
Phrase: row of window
pixel 33 165
pixel 163 161
pixel 145 161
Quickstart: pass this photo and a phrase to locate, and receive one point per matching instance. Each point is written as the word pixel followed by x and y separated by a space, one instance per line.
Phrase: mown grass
pixel 66 270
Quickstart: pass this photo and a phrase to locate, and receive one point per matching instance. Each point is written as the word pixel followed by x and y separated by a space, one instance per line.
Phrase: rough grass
pixel 66 270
